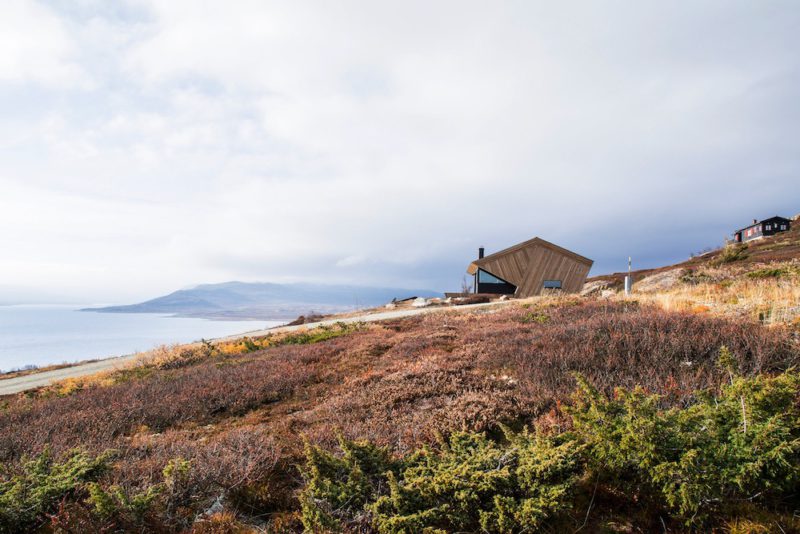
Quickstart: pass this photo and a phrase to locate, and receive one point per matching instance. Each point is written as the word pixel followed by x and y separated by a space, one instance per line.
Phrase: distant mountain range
pixel 243 300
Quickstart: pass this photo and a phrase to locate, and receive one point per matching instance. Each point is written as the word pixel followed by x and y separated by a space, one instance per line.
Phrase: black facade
pixel 765 228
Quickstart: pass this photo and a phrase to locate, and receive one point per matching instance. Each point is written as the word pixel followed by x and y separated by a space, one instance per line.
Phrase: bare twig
pixel 591 503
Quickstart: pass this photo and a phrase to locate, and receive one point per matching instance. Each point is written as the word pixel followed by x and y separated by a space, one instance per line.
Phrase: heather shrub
pixel 237 418
pixel 35 488
pixel 166 480
pixel 619 344
pixel 177 356
pixel 96 418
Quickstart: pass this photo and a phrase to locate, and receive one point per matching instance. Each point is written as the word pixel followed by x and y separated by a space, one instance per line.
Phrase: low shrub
pixel 466 483
pixel 114 503
pixel 237 416
pixel 321 333
pixel 471 483
pixel 731 253
pixel 692 277
pixel 339 487
pixel 739 444
pixel 37 486
pixel 534 317
pixel 761 274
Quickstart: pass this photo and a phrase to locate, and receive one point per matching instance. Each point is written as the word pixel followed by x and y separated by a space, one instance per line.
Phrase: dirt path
pixel 9 386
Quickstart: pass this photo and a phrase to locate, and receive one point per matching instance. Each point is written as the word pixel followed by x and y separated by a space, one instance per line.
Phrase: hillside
pixel 242 300
pixel 223 428
pixel 755 281
pixel 504 418
pixel 783 247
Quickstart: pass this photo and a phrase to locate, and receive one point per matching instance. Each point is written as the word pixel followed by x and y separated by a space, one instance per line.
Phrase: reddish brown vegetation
pixel 240 420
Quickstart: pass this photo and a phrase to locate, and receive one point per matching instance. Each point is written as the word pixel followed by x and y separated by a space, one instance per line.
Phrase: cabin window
pixel 552 284
pixel 486 278
pixel 769 227
pixel 783 227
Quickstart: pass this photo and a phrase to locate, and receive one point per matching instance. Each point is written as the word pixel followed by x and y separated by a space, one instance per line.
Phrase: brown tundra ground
pixel 241 416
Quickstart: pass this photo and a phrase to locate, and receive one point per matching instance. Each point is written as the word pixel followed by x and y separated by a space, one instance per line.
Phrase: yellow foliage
pixel 69 386
pixel 745 526
pixel 770 300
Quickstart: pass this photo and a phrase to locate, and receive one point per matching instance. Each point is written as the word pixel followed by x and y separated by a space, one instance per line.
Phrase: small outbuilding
pixel 764 228
pixel 530 268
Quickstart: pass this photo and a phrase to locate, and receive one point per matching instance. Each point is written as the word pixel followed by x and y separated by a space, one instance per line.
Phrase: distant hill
pixel 267 301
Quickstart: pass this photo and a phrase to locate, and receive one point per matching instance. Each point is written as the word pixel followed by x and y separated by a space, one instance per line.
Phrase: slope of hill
pixel 417 424
pixel 209 439
pixel 265 300
pixel 759 280
pixel 778 248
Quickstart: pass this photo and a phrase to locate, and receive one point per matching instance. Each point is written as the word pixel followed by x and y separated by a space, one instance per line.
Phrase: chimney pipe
pixel 755 221
pixel 480 253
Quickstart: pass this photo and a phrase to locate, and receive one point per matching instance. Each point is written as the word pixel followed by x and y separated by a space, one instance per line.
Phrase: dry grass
pixel 769 293
pixel 783 247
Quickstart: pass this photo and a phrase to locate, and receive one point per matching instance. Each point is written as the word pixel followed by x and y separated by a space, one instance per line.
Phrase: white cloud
pixel 35 46
pixel 381 142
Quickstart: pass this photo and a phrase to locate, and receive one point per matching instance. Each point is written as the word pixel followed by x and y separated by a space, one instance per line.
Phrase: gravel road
pixel 9 386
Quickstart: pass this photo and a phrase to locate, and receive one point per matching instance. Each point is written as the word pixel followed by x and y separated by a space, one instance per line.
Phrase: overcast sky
pixel 151 145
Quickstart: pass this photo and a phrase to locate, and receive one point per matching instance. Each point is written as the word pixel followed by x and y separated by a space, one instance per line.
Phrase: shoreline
pixel 33 380
pixel 39 338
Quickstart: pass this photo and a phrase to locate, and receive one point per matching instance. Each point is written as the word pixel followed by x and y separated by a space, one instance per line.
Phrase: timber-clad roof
pixel 529 263
pixel 473 267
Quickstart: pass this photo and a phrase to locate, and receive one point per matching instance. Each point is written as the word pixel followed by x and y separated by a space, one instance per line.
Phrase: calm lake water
pixel 44 335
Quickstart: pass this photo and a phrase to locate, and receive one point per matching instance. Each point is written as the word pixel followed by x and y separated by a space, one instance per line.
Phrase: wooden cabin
pixel 764 228
pixel 530 268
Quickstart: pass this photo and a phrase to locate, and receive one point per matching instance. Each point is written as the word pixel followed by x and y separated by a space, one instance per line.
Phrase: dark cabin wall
pixel 760 229
pixel 775 224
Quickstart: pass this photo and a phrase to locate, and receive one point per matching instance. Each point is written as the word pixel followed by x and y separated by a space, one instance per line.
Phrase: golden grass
pixel 771 300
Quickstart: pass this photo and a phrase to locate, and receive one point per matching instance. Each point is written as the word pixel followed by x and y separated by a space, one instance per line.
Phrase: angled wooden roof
pixel 528 264
pixel 536 241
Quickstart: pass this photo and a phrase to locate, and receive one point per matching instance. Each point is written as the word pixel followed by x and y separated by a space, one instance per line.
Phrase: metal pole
pixel 628 279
